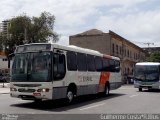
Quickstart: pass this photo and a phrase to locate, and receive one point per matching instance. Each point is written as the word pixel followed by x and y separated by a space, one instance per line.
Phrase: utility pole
pixel 149 44
pixel 25 35
pixel 146 43
pixel 149 50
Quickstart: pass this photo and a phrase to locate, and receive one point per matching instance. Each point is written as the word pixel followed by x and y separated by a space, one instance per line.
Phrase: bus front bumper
pixel 151 85
pixel 30 96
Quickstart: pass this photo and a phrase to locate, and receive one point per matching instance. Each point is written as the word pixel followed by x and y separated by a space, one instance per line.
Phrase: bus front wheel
pixel 70 96
pixel 140 89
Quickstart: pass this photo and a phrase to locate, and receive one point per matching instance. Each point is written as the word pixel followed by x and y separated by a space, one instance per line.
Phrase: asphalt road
pixel 125 100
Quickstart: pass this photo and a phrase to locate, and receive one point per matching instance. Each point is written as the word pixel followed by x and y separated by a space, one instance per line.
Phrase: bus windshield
pixel 31 67
pixel 147 73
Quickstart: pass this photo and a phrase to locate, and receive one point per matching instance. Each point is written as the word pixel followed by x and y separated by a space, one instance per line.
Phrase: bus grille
pixel 27 85
pixel 26 90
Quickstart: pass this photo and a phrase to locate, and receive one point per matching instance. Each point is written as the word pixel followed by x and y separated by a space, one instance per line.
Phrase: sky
pixel 135 20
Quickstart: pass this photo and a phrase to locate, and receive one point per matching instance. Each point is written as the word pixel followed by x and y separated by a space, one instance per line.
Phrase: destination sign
pixel 33 48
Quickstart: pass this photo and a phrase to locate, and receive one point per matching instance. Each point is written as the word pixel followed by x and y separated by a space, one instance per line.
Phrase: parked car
pixel 1 78
pixel 4 78
pixel 130 79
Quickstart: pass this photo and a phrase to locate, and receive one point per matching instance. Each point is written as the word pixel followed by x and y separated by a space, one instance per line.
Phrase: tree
pixel 1 46
pixel 154 57
pixel 43 26
pixel 23 29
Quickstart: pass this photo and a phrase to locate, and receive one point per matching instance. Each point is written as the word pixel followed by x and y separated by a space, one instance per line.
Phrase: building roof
pixel 93 32
pixel 90 32
pixel 125 40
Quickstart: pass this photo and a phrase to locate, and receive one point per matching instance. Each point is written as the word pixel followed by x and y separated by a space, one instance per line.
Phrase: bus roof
pixel 83 50
pixel 148 63
pixel 71 48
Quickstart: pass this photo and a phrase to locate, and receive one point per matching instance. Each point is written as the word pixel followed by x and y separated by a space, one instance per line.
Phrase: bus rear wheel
pixel 107 89
pixel 37 100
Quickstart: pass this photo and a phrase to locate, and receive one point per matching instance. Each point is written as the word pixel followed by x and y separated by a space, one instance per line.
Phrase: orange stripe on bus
pixel 107 56
pixel 103 79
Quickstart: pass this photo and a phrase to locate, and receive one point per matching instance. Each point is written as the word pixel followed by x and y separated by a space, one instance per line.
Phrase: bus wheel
pixel 140 89
pixel 106 92
pixel 70 96
pixel 37 100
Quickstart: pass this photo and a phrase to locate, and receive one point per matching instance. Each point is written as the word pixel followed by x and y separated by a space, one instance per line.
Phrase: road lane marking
pixel 133 95
pixel 127 88
pixel 92 106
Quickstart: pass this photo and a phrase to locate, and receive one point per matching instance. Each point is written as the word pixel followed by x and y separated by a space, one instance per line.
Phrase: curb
pixel 5 93
pixel 5 85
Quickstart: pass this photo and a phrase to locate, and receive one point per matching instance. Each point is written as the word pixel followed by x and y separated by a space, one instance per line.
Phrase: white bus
pixel 147 75
pixel 51 71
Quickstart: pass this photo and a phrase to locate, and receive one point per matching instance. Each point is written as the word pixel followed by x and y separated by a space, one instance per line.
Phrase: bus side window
pixel 98 63
pixel 117 66
pixel 90 63
pixel 59 68
pixel 111 65
pixel 71 61
pixel 81 62
pixel 114 65
pixel 106 65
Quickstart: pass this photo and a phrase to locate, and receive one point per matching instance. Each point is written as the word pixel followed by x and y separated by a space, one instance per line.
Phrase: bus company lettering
pixel 84 78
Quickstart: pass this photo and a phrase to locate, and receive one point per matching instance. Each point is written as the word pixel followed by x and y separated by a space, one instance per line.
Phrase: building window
pixel 120 50
pixel 128 71
pixel 130 54
pixel 138 56
pixel 117 49
pixel 113 48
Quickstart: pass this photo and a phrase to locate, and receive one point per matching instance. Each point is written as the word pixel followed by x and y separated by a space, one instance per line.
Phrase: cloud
pixel 74 16
pixel 141 27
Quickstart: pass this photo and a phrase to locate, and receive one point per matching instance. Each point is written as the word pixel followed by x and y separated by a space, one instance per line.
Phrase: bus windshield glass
pixel 147 73
pixel 31 67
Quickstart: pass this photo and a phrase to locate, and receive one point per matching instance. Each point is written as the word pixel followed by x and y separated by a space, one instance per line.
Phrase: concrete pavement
pixel 4 88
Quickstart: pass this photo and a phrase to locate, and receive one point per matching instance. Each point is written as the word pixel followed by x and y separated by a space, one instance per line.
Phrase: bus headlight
pixel 13 89
pixel 43 90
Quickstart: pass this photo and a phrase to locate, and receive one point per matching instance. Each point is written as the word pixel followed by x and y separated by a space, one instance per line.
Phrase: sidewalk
pixel 4 89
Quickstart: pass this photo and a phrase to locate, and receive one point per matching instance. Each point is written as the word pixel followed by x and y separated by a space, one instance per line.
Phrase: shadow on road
pixel 151 90
pixel 61 105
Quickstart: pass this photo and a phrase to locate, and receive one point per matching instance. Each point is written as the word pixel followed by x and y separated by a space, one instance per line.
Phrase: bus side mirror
pixel 117 69
pixel 11 55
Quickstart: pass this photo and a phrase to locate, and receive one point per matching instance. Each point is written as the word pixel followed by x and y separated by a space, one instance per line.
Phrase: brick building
pixel 3 63
pixel 112 44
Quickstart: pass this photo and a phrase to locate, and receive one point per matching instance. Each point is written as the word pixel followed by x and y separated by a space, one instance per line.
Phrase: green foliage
pixel 154 57
pixel 23 29
pixel 1 46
